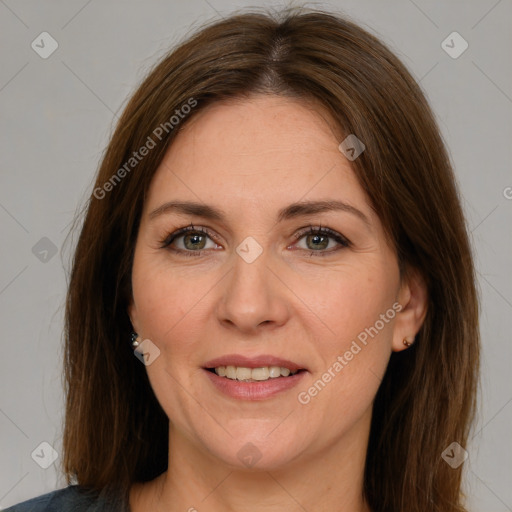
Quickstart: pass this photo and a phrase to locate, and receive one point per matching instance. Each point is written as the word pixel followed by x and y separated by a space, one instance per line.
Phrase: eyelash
pixel 311 230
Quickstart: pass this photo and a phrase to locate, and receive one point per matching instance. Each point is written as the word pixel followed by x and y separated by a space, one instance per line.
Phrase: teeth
pixel 230 372
pixel 274 371
pixel 260 373
pixel 253 374
pixel 243 373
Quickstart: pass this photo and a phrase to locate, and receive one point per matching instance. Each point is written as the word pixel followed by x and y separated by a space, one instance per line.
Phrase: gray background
pixel 56 117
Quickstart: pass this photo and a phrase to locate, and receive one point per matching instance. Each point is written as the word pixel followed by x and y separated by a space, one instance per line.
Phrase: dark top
pixel 71 499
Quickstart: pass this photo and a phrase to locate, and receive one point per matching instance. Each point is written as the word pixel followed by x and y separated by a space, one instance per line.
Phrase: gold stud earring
pixel 408 343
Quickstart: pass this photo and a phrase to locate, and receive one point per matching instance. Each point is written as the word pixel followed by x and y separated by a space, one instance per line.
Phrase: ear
pixel 413 297
pixel 132 313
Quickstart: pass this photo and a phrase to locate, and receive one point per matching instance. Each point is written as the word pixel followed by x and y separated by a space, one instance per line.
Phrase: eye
pixel 318 239
pixel 189 241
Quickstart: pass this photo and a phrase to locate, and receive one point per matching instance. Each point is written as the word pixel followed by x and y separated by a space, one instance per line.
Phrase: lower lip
pixel 254 390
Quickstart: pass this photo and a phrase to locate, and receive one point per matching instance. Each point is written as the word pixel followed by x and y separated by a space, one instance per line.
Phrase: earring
pixel 408 343
pixel 136 339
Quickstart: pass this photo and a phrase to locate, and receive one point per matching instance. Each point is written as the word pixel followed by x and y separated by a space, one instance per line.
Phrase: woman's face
pixel 254 289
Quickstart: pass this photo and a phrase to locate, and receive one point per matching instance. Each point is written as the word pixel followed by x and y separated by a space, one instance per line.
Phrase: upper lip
pixel 252 362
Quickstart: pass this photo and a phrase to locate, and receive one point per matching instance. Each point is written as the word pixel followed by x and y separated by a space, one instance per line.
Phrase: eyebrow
pixel 291 211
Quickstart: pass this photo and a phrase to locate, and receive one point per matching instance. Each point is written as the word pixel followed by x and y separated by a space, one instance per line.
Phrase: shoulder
pixel 70 499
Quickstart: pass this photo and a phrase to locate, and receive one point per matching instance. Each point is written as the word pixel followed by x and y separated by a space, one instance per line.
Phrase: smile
pixel 253 374
pixel 254 377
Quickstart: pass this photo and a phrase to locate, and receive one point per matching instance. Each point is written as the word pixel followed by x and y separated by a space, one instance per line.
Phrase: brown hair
pixel 115 432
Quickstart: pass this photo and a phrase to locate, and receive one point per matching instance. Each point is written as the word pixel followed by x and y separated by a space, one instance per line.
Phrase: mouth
pixel 253 378
pixel 256 368
pixel 259 374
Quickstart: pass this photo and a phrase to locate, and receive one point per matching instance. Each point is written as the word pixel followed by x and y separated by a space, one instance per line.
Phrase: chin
pixel 253 453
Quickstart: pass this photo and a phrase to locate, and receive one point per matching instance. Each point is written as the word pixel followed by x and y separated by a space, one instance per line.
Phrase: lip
pixel 259 390
pixel 252 362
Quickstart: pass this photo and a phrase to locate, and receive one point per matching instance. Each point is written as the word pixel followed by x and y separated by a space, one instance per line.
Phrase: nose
pixel 253 296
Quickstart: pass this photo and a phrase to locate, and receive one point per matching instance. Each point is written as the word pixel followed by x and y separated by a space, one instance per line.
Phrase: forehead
pixel 262 150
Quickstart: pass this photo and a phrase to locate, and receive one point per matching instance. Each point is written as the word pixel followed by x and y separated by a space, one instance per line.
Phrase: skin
pixel 251 158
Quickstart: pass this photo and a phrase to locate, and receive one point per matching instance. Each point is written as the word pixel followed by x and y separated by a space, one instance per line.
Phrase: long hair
pixel 115 431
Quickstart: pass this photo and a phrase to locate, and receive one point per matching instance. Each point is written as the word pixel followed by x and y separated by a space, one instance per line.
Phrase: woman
pixel 275 231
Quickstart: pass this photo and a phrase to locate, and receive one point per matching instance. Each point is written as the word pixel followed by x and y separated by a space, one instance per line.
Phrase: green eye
pixel 318 239
pixel 194 240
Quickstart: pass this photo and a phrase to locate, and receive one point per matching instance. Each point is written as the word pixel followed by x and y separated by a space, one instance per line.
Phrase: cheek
pixel 171 305
pixel 171 313
pixel 349 301
pixel 356 306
